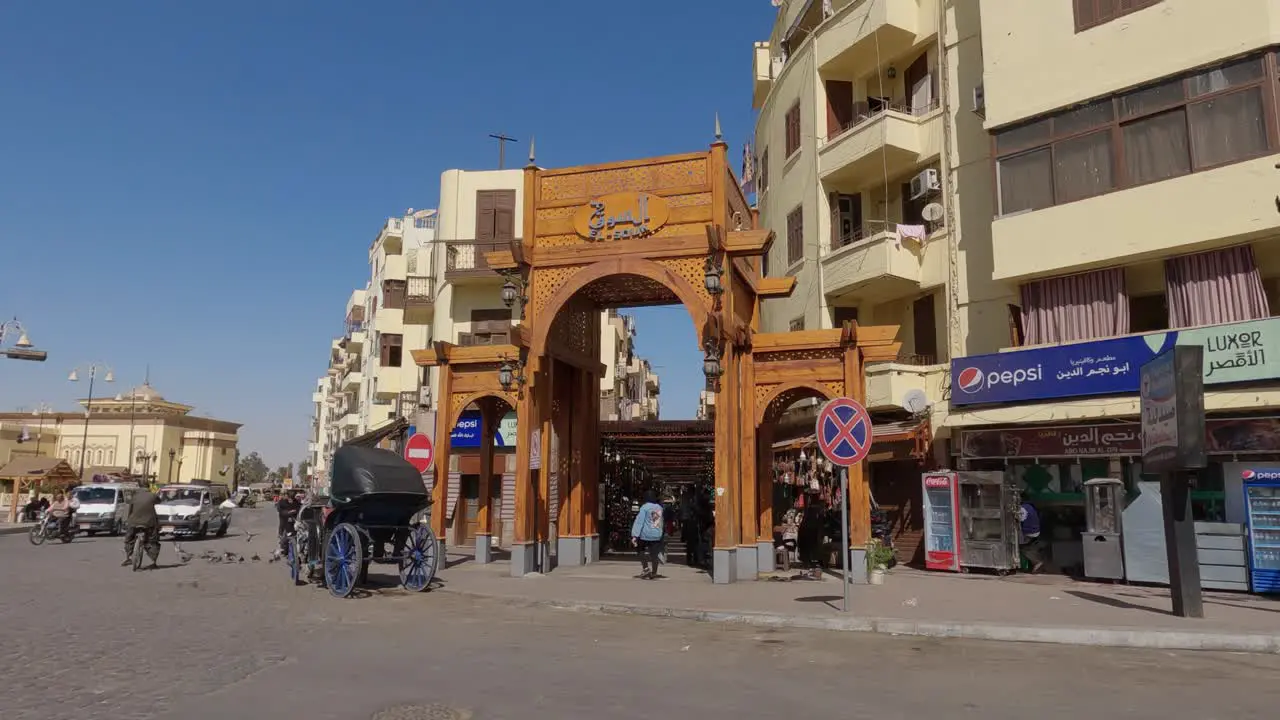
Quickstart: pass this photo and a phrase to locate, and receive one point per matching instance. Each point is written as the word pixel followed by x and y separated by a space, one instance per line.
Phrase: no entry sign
pixel 419 452
pixel 844 431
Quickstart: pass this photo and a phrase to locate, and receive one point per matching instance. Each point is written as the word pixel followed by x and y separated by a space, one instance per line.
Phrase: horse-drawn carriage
pixel 376 499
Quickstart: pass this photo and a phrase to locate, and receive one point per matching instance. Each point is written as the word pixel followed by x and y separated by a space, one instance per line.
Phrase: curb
pixel 14 530
pixel 1080 636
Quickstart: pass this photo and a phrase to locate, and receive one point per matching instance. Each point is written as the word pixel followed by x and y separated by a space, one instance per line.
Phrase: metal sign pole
pixel 844 535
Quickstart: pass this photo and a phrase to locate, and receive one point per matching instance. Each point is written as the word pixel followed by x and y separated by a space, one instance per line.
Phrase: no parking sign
pixel 844 431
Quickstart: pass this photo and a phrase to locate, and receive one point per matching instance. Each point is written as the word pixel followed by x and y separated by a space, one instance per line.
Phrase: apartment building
pixel 873 173
pixel 629 390
pixel 1136 147
pixel 371 381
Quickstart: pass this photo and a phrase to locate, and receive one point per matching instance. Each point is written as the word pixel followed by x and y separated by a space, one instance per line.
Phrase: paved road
pixel 202 641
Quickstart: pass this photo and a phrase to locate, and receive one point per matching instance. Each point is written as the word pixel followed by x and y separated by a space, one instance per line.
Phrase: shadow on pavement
pixel 1114 602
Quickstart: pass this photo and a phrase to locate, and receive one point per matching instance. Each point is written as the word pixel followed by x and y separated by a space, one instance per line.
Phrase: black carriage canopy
pixel 361 471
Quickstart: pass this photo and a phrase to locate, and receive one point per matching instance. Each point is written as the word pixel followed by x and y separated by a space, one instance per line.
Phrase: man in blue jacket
pixel 646 535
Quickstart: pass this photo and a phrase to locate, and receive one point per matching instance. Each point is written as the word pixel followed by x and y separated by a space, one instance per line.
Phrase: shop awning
pixel 31 471
pixel 891 440
pixel 377 435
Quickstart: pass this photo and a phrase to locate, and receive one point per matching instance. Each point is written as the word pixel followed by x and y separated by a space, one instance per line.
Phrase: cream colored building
pixel 1126 143
pixel 139 431
pixel 629 389
pixel 371 379
pixel 874 174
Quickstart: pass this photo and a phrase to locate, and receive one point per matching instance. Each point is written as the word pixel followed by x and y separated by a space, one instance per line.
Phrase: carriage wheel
pixel 418 561
pixel 342 560
pixel 294 561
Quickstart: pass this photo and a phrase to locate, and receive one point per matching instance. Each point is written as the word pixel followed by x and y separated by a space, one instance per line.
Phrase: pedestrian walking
pixel 647 535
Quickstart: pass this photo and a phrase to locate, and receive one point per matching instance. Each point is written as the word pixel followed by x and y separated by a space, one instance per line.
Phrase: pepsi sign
pixel 1260 475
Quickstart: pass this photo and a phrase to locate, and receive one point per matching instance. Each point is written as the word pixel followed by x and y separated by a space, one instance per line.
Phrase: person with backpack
pixel 647 534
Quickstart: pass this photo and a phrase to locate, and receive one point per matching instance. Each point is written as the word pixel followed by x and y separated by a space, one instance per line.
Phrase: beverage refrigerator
pixel 1262 507
pixel 942 521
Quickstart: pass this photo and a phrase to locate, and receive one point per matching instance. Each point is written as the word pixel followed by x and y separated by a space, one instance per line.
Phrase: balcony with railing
pixel 465 259
pixel 872 138
pixel 420 293
pixel 390 237
pixel 874 263
pixel 889 382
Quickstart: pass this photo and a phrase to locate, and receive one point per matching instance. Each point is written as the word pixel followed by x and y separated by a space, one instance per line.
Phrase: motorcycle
pixel 49 528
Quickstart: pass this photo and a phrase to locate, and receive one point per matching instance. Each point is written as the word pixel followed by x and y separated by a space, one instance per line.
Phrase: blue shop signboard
pixel 466 432
pixel 1238 352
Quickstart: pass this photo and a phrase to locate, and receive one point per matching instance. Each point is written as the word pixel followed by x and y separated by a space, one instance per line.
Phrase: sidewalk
pixel 1050 609
pixel 7 528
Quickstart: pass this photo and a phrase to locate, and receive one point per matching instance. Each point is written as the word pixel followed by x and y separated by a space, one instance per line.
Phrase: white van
pixel 104 507
pixel 194 509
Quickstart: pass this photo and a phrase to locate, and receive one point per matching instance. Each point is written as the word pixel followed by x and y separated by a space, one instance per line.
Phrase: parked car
pixel 104 507
pixel 194 509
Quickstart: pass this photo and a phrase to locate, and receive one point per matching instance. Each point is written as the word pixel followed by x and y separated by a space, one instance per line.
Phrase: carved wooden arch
pixel 688 296
pixel 790 388
pixel 456 415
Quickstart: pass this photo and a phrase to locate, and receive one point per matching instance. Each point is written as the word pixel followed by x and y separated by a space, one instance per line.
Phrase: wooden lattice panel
pixel 546 282
pixel 688 200
pixel 628 291
pixel 692 270
pixel 572 329
pixel 460 400
pixel 650 178
pixel 832 353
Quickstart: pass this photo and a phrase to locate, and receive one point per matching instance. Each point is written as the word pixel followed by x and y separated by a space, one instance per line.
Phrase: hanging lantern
pixel 506 375
pixel 509 292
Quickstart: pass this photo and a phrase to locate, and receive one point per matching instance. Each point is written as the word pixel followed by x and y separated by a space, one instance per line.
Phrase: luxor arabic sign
pixel 620 216
pixel 1238 352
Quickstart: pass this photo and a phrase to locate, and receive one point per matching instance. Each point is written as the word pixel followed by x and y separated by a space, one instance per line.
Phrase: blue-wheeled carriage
pixel 373 514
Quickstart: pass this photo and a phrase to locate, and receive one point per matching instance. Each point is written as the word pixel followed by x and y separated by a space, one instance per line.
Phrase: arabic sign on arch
pixel 620 216
pixel 1238 352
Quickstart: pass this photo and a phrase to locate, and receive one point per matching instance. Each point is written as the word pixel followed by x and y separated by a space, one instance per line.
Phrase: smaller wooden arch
pixel 815 388
pixel 688 296
pixel 507 398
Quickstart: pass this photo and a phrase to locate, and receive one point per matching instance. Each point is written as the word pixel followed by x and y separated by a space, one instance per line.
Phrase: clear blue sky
pixel 194 186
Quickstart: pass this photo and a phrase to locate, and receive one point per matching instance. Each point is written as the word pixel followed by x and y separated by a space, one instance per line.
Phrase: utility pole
pixel 502 148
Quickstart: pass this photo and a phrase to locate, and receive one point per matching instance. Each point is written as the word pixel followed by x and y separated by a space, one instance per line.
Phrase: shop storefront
pixel 464 479
pixel 1055 417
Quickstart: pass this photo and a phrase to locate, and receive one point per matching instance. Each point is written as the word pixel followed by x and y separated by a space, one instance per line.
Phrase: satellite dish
pixel 915 402
pixel 932 212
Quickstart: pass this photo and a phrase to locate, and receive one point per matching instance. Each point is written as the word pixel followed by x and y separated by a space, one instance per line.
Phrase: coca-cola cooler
pixel 942 521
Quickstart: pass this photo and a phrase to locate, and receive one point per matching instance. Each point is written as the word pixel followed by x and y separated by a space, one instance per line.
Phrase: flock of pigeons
pixel 225 557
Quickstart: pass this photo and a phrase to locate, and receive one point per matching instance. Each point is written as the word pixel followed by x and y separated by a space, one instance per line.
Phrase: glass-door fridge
pixel 1262 503
pixel 942 521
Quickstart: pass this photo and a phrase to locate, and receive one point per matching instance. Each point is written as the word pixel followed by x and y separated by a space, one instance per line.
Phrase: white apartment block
pixel 629 389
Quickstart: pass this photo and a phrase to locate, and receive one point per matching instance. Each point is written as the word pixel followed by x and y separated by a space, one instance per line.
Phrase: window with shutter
pixel 793 129
pixel 485 202
pixel 795 236
pixel 1091 13
pixel 495 215
pixel 390 349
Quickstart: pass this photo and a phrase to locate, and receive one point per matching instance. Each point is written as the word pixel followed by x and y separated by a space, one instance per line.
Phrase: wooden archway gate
pixel 646 232
pixel 468 376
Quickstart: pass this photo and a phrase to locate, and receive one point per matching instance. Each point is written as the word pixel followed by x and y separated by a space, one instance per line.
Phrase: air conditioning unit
pixel 980 99
pixel 925 183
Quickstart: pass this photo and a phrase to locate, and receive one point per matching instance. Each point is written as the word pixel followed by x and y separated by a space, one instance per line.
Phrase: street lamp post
pixel 108 376
pixel 171 454
pixel 41 410
pixel 22 349
pixel 146 461
pixel 133 396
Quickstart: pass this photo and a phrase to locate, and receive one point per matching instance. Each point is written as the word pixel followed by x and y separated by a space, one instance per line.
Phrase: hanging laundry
pixel 915 232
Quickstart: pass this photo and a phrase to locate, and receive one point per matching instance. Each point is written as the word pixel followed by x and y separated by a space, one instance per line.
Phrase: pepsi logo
pixel 1247 475
pixel 971 380
pixel 1260 475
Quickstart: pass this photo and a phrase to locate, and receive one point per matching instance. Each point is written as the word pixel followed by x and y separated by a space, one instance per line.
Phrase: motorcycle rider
pixel 144 526
pixel 61 509
pixel 287 507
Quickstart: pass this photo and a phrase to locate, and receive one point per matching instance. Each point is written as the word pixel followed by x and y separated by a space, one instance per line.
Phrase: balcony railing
pixel 421 290
pixel 865 111
pixel 465 258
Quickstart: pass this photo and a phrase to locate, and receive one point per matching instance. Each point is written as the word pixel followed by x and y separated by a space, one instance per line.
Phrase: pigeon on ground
pixel 255 558
pixel 183 557
pixel 248 536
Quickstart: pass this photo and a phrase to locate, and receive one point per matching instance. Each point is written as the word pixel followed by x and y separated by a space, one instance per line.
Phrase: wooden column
pixel 746 414
pixel 443 448
pixel 764 480
pixel 578 412
pixel 527 418
pixel 855 386
pixel 488 426
pixel 546 398
pixel 726 501
pixel 591 459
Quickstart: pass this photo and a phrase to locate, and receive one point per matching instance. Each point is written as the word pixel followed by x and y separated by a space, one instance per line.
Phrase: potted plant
pixel 878 558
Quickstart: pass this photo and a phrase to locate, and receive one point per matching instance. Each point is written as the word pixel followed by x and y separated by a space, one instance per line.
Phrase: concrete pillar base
pixel 765 557
pixel 591 548
pixel 524 559
pixel 858 566
pixel 484 549
pixel 724 568
pixel 571 551
pixel 442 559
pixel 748 563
